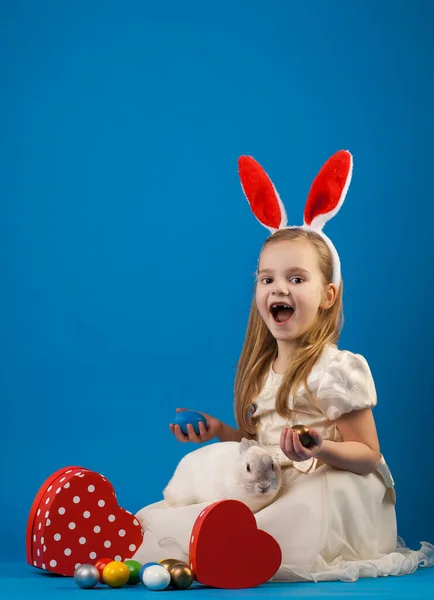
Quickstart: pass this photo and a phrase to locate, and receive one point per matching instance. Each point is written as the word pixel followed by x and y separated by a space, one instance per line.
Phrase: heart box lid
pixel 227 550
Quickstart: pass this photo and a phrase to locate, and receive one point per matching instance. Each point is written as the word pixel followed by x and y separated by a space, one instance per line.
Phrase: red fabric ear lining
pixel 259 192
pixel 326 190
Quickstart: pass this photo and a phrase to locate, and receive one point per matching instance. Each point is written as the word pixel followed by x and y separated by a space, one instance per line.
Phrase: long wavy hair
pixel 260 347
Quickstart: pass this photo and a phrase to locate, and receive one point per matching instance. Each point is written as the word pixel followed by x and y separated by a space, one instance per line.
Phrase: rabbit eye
pixel 248 467
pixel 272 466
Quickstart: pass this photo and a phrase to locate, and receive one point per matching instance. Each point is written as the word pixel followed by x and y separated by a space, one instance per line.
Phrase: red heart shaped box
pixel 227 550
pixel 75 519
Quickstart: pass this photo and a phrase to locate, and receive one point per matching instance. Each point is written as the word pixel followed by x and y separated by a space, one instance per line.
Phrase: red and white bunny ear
pixel 261 194
pixel 328 190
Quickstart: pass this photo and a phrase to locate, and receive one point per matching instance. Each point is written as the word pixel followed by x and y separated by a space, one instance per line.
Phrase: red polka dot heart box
pixel 75 519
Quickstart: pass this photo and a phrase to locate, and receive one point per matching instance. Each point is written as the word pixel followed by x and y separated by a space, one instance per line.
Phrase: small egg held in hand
pixel 156 578
pixel 185 417
pixel 305 439
pixel 86 576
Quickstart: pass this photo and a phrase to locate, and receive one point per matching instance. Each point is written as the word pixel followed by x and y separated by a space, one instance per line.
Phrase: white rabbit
pixel 225 471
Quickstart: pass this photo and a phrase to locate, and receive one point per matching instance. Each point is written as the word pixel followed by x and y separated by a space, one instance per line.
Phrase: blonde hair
pixel 260 347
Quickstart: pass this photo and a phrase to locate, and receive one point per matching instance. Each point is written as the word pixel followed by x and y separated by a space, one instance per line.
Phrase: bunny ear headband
pixel 324 200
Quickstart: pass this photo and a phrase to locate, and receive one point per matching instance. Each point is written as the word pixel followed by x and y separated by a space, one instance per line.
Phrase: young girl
pixel 335 518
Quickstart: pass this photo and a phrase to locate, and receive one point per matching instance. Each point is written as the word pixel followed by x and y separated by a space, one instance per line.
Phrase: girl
pixel 335 518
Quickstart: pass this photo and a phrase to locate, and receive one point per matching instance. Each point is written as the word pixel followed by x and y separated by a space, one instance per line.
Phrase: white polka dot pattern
pixel 85 520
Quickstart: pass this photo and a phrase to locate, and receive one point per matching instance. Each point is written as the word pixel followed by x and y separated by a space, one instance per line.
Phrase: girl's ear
pixel 329 296
pixel 261 194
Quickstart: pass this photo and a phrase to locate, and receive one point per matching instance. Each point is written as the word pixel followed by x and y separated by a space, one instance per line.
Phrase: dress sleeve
pixel 346 385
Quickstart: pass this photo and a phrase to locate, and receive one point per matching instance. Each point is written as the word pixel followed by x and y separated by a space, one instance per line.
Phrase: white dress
pixel 330 524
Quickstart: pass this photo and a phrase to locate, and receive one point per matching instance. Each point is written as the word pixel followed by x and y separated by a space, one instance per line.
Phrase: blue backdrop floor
pixel 22 581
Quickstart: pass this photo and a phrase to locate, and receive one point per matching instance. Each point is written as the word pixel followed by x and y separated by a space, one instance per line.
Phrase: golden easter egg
pixel 305 439
pixel 181 576
pixel 169 562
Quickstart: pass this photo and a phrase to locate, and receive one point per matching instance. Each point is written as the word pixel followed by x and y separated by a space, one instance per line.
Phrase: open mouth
pixel 281 313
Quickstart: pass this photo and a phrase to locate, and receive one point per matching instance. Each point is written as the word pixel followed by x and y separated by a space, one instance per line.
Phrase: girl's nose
pixel 280 287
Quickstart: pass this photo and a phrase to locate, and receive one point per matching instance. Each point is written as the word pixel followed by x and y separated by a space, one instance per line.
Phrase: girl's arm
pixel 359 451
pixel 228 433
pixel 215 429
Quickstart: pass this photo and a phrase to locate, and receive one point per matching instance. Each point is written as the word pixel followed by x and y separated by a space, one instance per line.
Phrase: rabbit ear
pixel 261 194
pixel 328 190
pixel 245 444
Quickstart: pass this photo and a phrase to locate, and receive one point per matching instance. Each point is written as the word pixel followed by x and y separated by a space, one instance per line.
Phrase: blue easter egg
pixel 185 417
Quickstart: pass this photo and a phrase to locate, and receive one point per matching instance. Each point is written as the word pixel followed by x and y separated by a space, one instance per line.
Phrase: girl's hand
pixel 291 446
pixel 211 431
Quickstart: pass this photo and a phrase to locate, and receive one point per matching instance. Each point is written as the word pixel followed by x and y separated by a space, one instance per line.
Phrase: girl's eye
pixel 296 280
pixel 248 467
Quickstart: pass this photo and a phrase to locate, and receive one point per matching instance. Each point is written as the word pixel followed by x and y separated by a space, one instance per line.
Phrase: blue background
pixel 127 248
